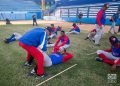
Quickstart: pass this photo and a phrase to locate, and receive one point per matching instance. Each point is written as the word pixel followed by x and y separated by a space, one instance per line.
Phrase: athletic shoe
pixel 99 59
pixel 86 38
pixel 6 41
pixel 97 44
pixel 27 64
pixel 50 43
pixel 41 76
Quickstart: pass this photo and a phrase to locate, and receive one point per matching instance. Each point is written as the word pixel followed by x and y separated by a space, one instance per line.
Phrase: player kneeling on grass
pixel 111 56
pixel 55 58
pixel 75 30
pixel 34 42
pixel 91 35
pixel 15 36
pixel 62 42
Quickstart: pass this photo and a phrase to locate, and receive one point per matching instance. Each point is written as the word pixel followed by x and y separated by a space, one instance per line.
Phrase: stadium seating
pixel 81 2
pixel 19 9
pixel 69 13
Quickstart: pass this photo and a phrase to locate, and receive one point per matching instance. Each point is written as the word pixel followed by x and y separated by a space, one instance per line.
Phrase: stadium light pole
pixel 43 7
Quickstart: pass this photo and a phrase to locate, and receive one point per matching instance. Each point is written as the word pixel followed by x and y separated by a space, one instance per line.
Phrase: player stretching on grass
pixel 34 42
pixel 75 30
pixel 110 56
pixel 62 42
pixel 55 58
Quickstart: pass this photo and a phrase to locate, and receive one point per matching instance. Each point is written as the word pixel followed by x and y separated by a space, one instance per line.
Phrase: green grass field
pixel 88 72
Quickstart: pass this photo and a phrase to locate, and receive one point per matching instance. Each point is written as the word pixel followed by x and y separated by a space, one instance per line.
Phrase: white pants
pixel 99 33
pixel 17 35
pixel 91 35
pixel 53 35
pixel 52 45
pixel 107 54
pixel 47 60
pixel 65 46
pixel 73 32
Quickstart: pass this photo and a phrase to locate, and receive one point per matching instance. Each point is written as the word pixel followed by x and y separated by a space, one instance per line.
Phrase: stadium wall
pixel 70 13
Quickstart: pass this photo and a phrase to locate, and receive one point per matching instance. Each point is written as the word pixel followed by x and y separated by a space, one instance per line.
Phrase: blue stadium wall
pixel 23 15
pixel 81 2
pixel 89 20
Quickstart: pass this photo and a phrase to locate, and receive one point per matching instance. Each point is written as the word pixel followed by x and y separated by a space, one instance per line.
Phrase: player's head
pixel 62 33
pixel 62 50
pixel 105 6
pixel 113 40
pixel 52 25
pixel 74 25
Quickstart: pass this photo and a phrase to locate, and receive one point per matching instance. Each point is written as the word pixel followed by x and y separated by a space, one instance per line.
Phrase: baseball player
pixel 100 21
pixel 110 56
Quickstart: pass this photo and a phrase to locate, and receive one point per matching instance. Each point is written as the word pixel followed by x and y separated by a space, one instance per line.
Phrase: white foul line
pixel 91 53
pixel 56 75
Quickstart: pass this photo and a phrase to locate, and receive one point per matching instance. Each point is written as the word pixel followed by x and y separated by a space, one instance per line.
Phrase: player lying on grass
pixel 74 30
pixel 91 35
pixel 53 59
pixel 15 36
pixel 111 56
pixel 34 41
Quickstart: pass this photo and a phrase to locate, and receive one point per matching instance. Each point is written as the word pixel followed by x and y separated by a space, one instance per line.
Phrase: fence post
pixel 68 12
pixel 88 12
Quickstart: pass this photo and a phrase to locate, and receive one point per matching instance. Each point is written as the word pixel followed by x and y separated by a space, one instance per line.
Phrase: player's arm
pixel 57 41
pixel 67 57
pixel 108 50
pixel 63 43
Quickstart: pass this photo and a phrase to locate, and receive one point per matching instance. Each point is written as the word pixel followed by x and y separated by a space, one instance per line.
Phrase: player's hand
pixel 113 67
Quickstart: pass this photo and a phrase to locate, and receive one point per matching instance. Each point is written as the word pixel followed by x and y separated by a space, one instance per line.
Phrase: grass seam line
pixel 56 75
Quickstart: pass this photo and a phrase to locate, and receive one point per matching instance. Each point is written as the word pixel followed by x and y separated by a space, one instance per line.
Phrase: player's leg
pixel 98 35
pixel 66 46
pixel 38 56
pixel 10 39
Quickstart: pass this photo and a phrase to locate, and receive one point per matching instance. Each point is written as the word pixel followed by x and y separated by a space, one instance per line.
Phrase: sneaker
pixel 27 64
pixel 86 38
pixel 32 72
pixel 6 41
pixel 50 43
pixel 97 44
pixel 99 59
pixel 41 76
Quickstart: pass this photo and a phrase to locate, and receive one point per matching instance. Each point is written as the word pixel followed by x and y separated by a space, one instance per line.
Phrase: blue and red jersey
pixel 101 17
pixel 58 58
pixel 63 39
pixel 115 50
pixel 36 37
pixel 76 28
